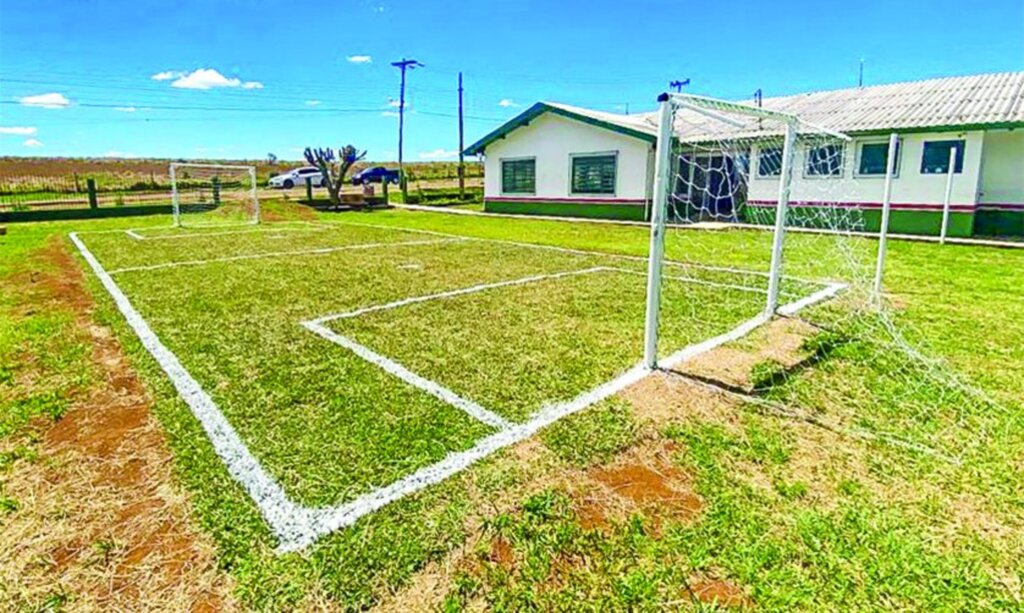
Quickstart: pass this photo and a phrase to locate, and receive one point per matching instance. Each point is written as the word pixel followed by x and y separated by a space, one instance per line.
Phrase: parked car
pixel 375 174
pixel 298 176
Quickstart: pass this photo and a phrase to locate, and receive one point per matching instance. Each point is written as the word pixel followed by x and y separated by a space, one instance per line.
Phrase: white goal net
pixel 762 208
pixel 214 194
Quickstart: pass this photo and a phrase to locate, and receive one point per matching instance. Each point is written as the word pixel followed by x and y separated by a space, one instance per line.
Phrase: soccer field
pixel 337 367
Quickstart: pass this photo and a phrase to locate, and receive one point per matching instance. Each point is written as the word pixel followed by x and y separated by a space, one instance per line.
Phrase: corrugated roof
pixel 975 101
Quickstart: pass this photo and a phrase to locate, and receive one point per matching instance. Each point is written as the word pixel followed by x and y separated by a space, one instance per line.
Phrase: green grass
pixel 876 537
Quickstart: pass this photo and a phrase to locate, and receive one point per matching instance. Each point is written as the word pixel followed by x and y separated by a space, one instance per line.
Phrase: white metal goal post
pixel 202 187
pixel 728 121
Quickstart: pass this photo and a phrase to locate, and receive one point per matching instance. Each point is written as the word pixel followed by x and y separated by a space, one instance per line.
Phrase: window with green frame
pixel 594 174
pixel 873 157
pixel 519 176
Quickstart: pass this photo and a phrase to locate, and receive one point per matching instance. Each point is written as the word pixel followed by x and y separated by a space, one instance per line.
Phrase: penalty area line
pixel 277 254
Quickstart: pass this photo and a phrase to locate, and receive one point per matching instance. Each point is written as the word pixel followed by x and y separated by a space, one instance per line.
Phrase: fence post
pixel 309 190
pixel 384 188
pixel 90 184
pixel 215 185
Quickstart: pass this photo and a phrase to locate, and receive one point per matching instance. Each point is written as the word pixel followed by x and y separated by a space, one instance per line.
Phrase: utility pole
pixel 462 163
pixel 402 65
pixel 678 85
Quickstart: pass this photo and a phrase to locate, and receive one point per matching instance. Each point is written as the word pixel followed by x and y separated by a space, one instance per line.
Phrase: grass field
pixel 843 472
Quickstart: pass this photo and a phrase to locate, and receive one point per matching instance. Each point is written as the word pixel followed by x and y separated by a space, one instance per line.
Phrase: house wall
pixel 917 199
pixel 1001 199
pixel 551 140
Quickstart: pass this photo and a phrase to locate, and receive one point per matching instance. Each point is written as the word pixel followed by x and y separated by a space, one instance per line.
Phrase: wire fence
pixel 33 193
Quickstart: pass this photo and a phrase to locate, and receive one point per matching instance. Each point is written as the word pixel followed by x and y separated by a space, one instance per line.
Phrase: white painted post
pixel 949 195
pixel 656 251
pixel 781 209
pixel 883 232
pixel 174 198
pixel 255 198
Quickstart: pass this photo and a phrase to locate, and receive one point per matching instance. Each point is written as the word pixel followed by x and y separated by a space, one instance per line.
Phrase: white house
pixel 563 160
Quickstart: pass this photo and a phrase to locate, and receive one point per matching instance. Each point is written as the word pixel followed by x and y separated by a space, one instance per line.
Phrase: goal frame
pixel 176 200
pixel 717 110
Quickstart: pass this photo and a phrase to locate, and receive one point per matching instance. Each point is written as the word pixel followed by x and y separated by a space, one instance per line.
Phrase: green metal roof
pixel 629 125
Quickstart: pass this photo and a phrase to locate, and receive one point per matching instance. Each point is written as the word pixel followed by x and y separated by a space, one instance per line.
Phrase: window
pixel 824 161
pixel 594 174
pixel 519 176
pixel 935 158
pixel 873 157
pixel 769 162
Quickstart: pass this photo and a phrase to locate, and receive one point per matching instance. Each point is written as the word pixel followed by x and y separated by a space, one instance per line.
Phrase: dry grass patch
pixel 101 524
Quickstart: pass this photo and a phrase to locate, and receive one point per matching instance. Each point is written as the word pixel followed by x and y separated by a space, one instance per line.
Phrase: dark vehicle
pixel 376 174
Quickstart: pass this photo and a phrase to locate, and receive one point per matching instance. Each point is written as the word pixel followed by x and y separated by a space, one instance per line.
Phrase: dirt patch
pixel 718 592
pixel 294 211
pixel 501 553
pixel 101 519
pixel 650 488
pixel 780 341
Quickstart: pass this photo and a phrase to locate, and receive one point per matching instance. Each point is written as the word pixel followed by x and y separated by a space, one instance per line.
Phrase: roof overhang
pixel 539 109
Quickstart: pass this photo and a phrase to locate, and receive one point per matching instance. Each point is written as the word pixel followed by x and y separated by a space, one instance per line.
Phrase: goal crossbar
pixel 702 104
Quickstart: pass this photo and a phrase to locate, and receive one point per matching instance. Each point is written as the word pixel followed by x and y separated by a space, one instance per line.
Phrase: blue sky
pixel 243 78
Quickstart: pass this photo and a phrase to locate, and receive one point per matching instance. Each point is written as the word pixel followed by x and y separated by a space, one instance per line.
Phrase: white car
pixel 298 177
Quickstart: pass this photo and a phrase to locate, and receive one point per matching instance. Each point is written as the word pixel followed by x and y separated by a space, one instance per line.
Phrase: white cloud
pixel 312 103
pixel 438 154
pixel 46 101
pixel 395 103
pixel 166 75
pixel 506 103
pixel 32 143
pixel 360 59
pixel 125 109
pixel 118 154
pixel 18 130
pixel 205 78
pixel 389 114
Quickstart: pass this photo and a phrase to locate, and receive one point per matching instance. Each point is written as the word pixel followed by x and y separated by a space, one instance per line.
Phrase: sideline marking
pixel 297 526
pixel 262 230
pixel 276 254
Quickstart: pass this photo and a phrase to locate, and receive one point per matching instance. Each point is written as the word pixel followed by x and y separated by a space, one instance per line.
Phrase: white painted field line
pixel 469 407
pixel 569 250
pixel 261 230
pixel 457 292
pixel 281 514
pixel 730 286
pixel 326 520
pixel 825 294
pixel 278 254
pixel 135 235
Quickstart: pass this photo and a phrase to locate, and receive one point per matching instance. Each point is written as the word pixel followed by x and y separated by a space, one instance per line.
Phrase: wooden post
pixel 215 184
pixel 309 190
pixel 384 188
pixel 90 184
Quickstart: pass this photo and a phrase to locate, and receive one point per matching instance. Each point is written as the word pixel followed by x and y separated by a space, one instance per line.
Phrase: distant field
pixel 37 182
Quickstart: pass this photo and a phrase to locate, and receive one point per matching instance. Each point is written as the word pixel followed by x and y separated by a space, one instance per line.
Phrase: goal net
pixel 756 218
pixel 213 194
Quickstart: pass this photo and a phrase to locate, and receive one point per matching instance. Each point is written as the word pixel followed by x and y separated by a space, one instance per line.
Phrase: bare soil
pixel 103 525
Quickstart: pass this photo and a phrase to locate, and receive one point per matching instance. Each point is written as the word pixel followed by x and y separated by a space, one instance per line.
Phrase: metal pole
pixel 174 199
pixel 949 195
pixel 782 208
pixel 656 251
pixel 462 163
pixel 255 198
pixel 401 136
pixel 883 232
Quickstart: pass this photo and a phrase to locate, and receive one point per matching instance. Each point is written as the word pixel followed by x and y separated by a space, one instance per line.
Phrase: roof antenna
pixel 860 75
pixel 678 85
